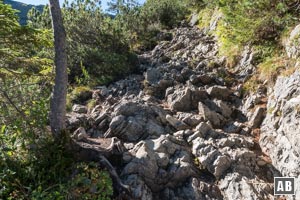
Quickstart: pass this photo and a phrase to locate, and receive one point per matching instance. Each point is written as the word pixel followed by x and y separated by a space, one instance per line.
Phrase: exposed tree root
pixel 90 149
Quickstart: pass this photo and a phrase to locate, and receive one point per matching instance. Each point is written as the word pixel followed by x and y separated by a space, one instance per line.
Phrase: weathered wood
pixel 104 146
pixel 91 149
pixel 122 188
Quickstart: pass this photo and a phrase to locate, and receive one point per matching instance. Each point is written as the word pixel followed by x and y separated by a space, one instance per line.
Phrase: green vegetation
pixel 22 9
pixel 261 24
pixel 25 76
pixel 32 164
pixel 168 13
pixel 141 24
pixel 252 22
pixel 98 52
pixel 46 170
pixel 80 94
pixel 269 68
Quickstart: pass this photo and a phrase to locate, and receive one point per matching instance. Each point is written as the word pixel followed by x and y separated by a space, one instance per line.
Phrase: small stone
pixel 222 163
pixel 197 134
pixel 80 134
pixel 194 19
pixel 190 119
pixel 163 159
pixel 179 134
pixel 203 128
pixel 219 92
pixel 246 130
pixel 261 163
pixel 224 108
pixel 79 109
pixel 100 118
pixel 176 123
pixel 152 75
pixel 234 127
pixel 215 118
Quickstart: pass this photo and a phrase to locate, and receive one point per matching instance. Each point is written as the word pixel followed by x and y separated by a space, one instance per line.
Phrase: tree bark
pixel 58 98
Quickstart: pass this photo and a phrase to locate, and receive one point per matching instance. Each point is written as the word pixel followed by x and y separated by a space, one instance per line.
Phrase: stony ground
pixel 185 128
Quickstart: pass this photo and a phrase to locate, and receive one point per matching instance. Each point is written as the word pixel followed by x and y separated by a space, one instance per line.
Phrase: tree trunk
pixel 58 98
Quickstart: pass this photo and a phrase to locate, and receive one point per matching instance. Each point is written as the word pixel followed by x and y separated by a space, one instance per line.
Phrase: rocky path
pixel 184 129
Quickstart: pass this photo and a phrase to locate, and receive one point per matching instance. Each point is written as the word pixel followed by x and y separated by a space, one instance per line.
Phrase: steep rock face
pixel 280 131
pixel 280 136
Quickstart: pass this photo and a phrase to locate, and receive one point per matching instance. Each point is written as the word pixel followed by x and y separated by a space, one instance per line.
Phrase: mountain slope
pixel 23 8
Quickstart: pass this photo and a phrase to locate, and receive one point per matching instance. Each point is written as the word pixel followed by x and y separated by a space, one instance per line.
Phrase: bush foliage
pixel 96 48
pixel 32 164
pixel 258 23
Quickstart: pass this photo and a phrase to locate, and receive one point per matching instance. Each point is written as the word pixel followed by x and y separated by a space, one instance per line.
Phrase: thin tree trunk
pixel 58 98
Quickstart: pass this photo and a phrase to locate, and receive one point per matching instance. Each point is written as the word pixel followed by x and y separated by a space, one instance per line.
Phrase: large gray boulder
pixel 134 121
pixel 186 99
pixel 232 162
pixel 219 92
pixel 161 163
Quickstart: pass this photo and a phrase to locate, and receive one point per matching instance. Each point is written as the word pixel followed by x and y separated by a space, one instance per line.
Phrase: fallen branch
pixel 121 188
pixel 91 149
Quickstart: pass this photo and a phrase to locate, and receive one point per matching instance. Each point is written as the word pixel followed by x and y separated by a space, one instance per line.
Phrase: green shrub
pixel 25 76
pixel 45 169
pixel 166 12
pixel 147 40
pixel 258 23
pixel 80 94
pixel 143 23
pixel 90 183
pixel 205 16
pixel 91 103
pixel 98 47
